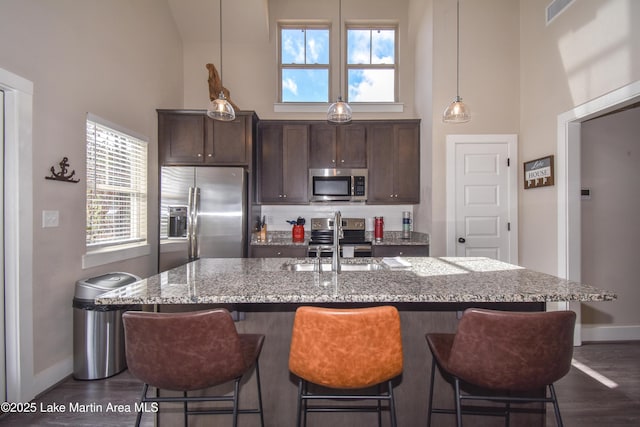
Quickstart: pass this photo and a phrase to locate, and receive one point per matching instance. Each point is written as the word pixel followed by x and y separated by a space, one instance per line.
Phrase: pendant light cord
pixel 340 44
pixel 457 49
pixel 220 42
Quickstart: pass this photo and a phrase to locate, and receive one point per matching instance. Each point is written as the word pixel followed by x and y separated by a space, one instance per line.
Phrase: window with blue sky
pixel 305 68
pixel 371 64
pixel 304 63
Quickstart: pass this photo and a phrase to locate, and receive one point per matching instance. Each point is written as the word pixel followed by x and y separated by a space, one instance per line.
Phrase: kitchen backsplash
pixel 277 216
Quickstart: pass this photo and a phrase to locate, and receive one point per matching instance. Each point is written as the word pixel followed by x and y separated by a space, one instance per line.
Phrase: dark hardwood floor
pixel 584 401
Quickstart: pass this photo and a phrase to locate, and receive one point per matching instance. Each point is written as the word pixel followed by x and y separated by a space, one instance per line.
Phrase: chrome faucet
pixel 337 235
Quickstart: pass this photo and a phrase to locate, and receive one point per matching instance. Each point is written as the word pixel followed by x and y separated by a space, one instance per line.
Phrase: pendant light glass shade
pixel 456 112
pixel 339 112
pixel 221 109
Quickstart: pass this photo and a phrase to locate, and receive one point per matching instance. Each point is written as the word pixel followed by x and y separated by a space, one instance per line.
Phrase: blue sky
pixel 312 47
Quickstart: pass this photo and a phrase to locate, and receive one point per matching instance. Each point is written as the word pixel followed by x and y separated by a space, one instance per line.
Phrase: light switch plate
pixel 50 219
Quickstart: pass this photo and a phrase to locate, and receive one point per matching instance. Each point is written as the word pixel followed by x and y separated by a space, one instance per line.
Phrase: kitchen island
pixel 429 292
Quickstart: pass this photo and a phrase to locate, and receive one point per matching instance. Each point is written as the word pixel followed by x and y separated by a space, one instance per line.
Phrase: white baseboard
pixel 610 333
pixel 46 379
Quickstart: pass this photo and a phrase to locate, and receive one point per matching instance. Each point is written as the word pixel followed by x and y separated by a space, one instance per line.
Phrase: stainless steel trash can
pixel 98 334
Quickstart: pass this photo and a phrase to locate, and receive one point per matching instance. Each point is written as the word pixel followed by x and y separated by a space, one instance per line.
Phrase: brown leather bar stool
pixel 191 351
pixel 503 355
pixel 345 349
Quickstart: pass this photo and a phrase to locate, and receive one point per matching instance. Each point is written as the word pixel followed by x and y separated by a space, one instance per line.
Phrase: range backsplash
pixel 276 216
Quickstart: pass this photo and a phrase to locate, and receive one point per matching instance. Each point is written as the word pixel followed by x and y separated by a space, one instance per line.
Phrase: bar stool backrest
pixel 183 351
pixel 346 348
pixel 503 350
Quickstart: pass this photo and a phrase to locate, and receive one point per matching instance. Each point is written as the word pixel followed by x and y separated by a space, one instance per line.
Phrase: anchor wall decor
pixel 63 175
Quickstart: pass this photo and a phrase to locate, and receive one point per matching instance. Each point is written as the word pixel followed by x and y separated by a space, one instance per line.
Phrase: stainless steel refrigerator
pixel 202 214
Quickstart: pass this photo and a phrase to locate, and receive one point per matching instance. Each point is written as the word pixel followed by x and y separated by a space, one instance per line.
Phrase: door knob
pixel 461 240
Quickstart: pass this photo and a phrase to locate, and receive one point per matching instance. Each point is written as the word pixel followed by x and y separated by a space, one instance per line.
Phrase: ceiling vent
pixel 555 8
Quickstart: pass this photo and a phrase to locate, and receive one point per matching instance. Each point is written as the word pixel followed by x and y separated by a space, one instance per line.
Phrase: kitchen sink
pixel 309 266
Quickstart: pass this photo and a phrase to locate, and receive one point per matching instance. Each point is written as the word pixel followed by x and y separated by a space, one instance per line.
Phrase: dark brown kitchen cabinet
pixel 399 250
pixel 283 152
pixel 394 162
pixel 278 251
pixel 180 137
pixel 226 142
pixel 333 146
pixel 191 138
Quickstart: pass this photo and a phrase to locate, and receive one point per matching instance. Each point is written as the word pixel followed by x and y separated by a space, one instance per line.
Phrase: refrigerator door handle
pixel 192 226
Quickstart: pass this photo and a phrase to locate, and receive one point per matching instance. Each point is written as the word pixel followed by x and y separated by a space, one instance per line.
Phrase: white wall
pixel 250 64
pixel 420 26
pixel 119 60
pixel 610 168
pixel 489 82
pixel 590 50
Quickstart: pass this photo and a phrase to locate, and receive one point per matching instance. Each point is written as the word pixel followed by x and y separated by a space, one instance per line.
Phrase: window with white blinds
pixel 116 185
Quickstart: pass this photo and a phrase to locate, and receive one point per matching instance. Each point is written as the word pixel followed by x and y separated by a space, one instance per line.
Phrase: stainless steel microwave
pixel 338 185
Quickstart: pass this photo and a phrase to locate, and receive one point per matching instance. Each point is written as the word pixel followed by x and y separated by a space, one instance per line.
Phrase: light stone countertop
pixel 426 280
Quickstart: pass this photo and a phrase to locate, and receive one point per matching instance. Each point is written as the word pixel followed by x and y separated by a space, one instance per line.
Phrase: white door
pixel 482 196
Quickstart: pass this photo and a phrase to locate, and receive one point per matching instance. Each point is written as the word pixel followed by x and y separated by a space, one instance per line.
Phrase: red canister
pixel 378 231
pixel 298 233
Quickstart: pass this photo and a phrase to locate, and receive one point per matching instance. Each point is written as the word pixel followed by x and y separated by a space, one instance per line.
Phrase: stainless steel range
pixel 353 240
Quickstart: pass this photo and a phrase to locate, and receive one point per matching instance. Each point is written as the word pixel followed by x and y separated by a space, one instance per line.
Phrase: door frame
pixel 18 236
pixel 568 179
pixel 512 143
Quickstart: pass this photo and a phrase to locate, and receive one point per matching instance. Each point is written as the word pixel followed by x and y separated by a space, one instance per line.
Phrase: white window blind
pixel 116 185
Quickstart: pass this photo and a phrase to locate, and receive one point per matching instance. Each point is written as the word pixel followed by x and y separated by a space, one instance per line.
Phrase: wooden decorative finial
pixel 215 86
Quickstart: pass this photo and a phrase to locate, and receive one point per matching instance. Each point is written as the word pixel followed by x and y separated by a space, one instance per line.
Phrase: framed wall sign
pixel 538 172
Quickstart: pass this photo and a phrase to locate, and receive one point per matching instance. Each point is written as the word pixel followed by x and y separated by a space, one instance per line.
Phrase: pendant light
pixel 220 108
pixel 339 112
pixel 457 111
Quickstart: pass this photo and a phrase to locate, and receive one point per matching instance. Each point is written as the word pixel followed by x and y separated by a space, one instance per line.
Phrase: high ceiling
pixel 198 20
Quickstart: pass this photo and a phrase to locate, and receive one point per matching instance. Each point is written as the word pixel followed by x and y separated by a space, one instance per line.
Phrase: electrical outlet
pixel 50 219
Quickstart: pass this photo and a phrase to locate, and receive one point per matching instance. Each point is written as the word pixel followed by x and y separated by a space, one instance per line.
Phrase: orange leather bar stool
pixel 191 351
pixel 346 349
pixel 504 356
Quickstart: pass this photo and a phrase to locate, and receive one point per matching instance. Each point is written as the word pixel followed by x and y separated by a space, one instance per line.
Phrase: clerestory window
pixel 372 65
pixel 304 63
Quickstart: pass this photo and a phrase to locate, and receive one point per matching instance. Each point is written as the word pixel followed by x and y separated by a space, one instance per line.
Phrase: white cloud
pixel 290 85
pixel 296 50
pixel 375 86
pixel 312 52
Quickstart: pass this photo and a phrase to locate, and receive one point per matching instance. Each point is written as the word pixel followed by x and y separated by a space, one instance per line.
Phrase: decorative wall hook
pixel 62 175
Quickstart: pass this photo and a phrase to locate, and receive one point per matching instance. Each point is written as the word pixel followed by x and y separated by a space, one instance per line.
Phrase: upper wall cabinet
pixel 394 162
pixel 282 154
pixel 338 146
pixel 192 138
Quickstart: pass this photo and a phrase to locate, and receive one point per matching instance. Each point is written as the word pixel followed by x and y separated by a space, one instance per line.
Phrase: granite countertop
pixel 283 238
pixel 427 279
